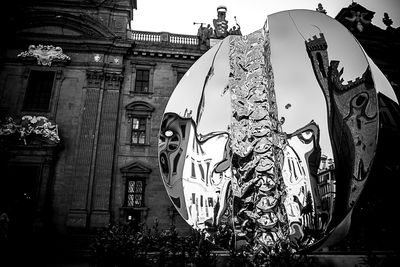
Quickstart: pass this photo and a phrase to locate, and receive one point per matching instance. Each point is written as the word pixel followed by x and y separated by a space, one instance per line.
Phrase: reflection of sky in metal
pixel 381 83
pixel 300 100
pixel 295 82
pixel 217 105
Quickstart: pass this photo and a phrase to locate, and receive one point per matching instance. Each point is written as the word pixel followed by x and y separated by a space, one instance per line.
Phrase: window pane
pixel 146 75
pixel 142 125
pixel 131 186
pixel 135 123
pixel 142 138
pixel 130 200
pixel 139 187
pixel 138 200
pixel 135 137
pixel 139 86
pixel 139 75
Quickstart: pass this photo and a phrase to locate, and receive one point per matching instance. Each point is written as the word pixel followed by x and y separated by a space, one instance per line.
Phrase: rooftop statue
pixel 220 23
pixel 235 30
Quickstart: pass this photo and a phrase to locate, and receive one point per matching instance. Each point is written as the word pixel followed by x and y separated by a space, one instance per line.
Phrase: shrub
pixel 123 245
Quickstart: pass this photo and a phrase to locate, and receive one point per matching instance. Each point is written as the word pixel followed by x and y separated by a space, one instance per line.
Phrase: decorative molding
pixel 135 168
pixel 355 17
pixel 113 80
pixel 45 54
pixel 94 78
pixel 139 107
pixel 29 125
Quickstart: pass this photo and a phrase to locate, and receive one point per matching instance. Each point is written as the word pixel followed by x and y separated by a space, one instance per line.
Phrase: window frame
pixel 135 179
pixel 29 93
pixel 142 121
pixel 144 83
pixel 143 111
pixel 134 171
pixel 148 66
pixel 56 89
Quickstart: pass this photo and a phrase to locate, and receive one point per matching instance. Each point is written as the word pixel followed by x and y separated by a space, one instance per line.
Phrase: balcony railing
pixel 164 38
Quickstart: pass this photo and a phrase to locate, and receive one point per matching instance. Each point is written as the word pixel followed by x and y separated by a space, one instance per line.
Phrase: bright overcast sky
pixel 177 16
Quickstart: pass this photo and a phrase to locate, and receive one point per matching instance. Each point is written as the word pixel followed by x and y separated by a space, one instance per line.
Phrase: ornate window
pixel 135 192
pixel 134 177
pixel 139 120
pixel 43 81
pixel 39 90
pixel 138 131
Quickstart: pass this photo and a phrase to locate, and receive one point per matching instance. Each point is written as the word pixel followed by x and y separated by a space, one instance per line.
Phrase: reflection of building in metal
pixel 203 187
pixel 353 122
pixel 327 186
pixel 187 162
pixel 302 157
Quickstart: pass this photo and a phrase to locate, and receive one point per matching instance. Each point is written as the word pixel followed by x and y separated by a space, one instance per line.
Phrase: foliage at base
pixel 125 245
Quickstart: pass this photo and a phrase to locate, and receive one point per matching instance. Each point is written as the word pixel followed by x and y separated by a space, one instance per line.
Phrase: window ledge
pixel 140 93
pixel 138 145
pixel 134 208
pixel 34 111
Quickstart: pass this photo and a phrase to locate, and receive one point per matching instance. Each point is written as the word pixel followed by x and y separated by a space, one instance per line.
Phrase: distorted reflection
pixel 263 143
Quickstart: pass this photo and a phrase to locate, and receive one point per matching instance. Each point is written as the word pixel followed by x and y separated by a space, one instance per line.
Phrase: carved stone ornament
pixel 45 54
pixel 28 125
pixel 359 20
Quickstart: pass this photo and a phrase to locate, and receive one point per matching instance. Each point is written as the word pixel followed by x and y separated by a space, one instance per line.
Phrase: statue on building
pixel 358 19
pixel 235 30
pixel 203 33
pixel 221 24
pixel 210 30
pixel 387 20
pixel 320 8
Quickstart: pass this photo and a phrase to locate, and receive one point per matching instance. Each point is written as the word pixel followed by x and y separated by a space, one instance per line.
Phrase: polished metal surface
pixel 269 138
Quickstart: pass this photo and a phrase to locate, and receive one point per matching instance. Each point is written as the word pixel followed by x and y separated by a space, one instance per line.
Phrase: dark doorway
pixel 133 217
pixel 19 189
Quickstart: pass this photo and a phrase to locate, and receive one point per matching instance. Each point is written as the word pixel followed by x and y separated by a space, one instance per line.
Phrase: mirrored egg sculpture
pixel 269 138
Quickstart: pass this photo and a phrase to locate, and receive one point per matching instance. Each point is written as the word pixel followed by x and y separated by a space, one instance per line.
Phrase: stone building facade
pixel 106 94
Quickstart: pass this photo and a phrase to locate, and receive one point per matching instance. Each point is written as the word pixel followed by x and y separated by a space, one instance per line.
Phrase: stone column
pixel 103 172
pixel 77 216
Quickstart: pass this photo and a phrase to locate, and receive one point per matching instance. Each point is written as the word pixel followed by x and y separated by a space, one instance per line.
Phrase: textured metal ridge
pixel 257 145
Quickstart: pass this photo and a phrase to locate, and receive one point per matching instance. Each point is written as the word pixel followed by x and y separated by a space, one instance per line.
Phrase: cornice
pixel 166 54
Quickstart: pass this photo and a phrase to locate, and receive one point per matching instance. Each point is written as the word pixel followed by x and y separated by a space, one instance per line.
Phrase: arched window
pixel 139 115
